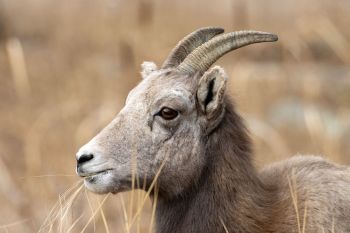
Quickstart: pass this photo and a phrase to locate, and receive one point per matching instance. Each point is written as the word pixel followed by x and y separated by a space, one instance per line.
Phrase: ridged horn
pixel 188 44
pixel 205 55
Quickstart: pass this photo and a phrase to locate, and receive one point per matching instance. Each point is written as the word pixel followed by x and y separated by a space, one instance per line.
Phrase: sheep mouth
pixel 91 175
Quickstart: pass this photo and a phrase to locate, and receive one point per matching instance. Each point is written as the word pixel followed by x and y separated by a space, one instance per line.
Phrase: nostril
pixel 84 158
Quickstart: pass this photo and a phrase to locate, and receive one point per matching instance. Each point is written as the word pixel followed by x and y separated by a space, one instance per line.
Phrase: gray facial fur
pixel 139 137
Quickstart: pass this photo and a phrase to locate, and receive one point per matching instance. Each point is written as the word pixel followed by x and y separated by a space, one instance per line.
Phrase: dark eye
pixel 168 113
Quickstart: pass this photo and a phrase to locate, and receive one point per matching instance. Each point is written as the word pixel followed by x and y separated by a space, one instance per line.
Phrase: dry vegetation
pixel 66 67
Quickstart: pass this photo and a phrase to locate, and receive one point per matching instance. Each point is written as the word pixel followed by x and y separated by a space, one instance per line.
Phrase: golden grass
pixel 223 224
pixel 60 217
pixel 293 192
pixel 66 67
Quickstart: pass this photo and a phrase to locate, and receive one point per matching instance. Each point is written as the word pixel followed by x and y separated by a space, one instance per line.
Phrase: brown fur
pixel 231 192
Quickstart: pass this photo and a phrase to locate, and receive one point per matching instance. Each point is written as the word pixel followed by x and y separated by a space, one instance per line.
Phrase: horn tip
pixel 273 37
pixel 265 36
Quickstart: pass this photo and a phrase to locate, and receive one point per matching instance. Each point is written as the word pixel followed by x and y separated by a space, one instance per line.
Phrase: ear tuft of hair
pixel 147 68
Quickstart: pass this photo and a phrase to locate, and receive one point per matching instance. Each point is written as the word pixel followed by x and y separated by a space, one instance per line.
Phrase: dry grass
pixel 66 67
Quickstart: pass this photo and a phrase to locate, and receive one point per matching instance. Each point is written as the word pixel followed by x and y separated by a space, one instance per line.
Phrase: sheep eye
pixel 168 113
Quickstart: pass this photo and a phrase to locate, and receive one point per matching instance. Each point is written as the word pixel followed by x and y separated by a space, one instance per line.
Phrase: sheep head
pixel 166 118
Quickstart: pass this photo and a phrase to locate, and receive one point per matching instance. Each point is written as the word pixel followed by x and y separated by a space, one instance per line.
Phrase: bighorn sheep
pixel 179 116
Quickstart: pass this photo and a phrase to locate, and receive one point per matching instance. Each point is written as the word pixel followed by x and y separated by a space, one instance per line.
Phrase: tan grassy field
pixel 67 66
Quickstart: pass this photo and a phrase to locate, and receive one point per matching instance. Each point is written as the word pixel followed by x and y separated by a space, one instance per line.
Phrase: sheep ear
pixel 211 91
pixel 147 68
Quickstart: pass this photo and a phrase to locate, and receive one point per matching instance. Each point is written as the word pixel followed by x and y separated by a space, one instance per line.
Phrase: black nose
pixel 84 158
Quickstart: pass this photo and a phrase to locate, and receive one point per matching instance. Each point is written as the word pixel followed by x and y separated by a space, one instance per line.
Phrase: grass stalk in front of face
pixel 223 224
pixel 94 213
pixel 125 214
pixel 152 186
pixel 104 219
pixel 292 184
pixel 154 207
pixel 293 192
pixel 61 208
pixel 74 223
pixel 91 208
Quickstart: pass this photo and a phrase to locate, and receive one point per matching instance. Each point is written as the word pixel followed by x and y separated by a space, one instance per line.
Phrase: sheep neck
pixel 229 194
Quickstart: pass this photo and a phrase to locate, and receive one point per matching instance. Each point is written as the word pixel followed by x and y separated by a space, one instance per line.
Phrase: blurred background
pixel 67 66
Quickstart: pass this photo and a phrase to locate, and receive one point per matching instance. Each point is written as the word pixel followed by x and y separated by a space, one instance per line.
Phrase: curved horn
pixel 205 55
pixel 188 44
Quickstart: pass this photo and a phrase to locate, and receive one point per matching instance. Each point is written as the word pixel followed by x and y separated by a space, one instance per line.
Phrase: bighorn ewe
pixel 179 116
